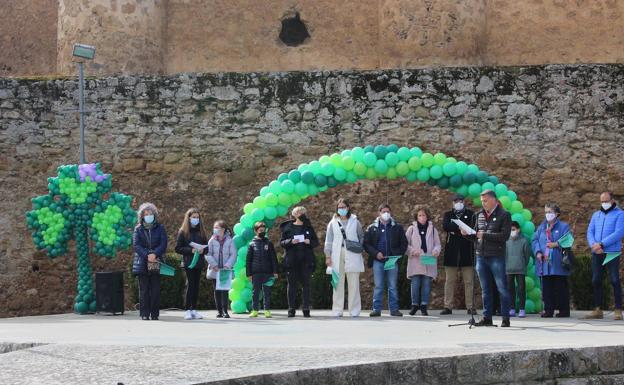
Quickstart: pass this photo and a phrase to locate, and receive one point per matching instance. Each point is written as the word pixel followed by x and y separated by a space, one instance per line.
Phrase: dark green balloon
pixel 482 177
pixel 456 181
pixel 369 148
pixel 307 177
pixel 381 151
pixel 320 180
pixel 469 178
pixel 331 182
pixel 443 182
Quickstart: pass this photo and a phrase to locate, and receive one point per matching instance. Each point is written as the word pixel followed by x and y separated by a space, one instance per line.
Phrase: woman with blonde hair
pixel 221 255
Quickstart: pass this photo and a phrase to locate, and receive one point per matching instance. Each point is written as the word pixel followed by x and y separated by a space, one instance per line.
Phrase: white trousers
pixel 353 282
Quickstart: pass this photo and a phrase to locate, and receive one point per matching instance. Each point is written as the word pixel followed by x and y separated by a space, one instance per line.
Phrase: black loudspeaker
pixel 109 292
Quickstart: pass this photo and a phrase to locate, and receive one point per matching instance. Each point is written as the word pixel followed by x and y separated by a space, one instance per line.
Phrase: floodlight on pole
pixel 84 52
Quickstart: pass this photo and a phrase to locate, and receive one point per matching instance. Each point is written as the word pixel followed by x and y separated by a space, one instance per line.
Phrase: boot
pixel 423 309
pixel 485 322
pixel 595 314
pixel 306 313
pixel 505 323
pixel 291 313
pixel 414 310
pixel 617 314
pixel 446 311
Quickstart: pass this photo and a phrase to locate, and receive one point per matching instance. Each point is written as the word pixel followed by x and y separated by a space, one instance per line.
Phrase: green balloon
pixel 427 159
pixel 455 181
pixel 528 228
pixel 474 190
pixel 359 169
pixel 381 167
pixel 402 168
pixel 260 202
pixel 320 180
pixel 340 174
pixel 370 159
pixel 469 178
pixel 516 207
pixel 439 159
pixel 443 182
pixel 482 177
pixel 358 154
pixel 281 210
pixel 412 176
pixel 348 163
pixel 463 190
pixel 271 199
pixel 370 173
pixel 346 153
pixel 476 202
pixel 288 186
pixel 239 307
pixel 380 151
pixel 449 169
pixel 282 177
pixel 436 172
pixel 392 159
pixel 527 214
pixel 295 197
pixel 328 169
pixel 301 188
pixel 275 187
pixel 351 177
pixel 270 212
pixel 487 186
pixel 315 167
pixel 529 283
pixel 294 176
pixel 423 174
pixel 414 163
pixel 324 159
pixel 81 307
pixel 535 294
pixel 336 160
pixel 404 154
pixel 313 189
pixel 392 148
pixel 494 179
pixel 331 182
pixel 391 174
pixel 518 218
pixel 307 177
pixel 417 152
pixel 501 190
pixel 284 198
pixel 246 295
pixel 512 195
pixel 529 306
pixel 473 168
pixel 234 295
pixel 247 220
pixel 369 148
pixel 506 202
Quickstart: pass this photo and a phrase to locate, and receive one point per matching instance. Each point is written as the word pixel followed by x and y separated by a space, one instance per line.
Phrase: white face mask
pixel 606 205
pixel 551 217
pixel 385 217
pixel 458 206
pixel 514 233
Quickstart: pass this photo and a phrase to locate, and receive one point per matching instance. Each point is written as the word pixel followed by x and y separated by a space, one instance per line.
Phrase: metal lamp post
pixel 86 52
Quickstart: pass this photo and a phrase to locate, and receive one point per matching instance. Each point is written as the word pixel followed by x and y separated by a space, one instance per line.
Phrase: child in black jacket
pixel 261 267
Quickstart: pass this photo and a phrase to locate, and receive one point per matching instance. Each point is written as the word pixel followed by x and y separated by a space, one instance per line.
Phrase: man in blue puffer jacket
pixel 604 235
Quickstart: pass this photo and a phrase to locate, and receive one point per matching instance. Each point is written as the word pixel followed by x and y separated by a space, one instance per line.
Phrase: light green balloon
pixel 271 199
pixel 417 152
pixel 358 154
pixel 301 189
pixel 449 169
pixel 402 168
pixel 516 207
pixel 404 154
pixel 260 202
pixel 336 160
pixel 370 159
pixel 527 214
pixel 360 168
pixel 426 160
pixel 439 159
pixel 315 167
pixel 324 159
pixel 348 163
pixel 391 174
pixel 328 169
pixel 414 163
pixel 288 186
pixel 370 173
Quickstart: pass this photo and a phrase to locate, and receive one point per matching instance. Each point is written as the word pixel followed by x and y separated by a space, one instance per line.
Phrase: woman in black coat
pixel 298 240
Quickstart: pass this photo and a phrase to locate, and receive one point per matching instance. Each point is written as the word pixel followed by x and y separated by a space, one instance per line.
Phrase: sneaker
pixel 446 311
pixel 505 323
pixel 188 315
pixel 396 313
pixel 423 310
pixel 595 314
pixel 414 310
pixel 484 322
pixel 291 313
pixel 336 315
pixel 356 315
pixel 226 315
pixel 562 315
pixel 306 314
pixel 267 314
pixel 512 312
pixel 547 314
pixel 253 314
pixel 375 313
pixel 617 314
pixel 522 313
pixel 196 315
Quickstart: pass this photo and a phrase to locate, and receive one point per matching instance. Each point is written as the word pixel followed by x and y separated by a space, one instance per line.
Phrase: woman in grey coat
pixel 221 255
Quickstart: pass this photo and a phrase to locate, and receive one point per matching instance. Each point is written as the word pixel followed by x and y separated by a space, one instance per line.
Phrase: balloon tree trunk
pixel 85 300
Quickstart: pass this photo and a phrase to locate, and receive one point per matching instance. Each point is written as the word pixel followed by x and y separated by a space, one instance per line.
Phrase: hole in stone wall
pixel 294 31
pixel 35 267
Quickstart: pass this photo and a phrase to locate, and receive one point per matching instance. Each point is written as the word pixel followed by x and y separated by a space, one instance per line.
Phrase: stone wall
pixel 173 36
pixel 213 140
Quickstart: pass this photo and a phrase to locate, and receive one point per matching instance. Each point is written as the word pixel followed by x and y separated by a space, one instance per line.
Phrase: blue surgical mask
pixel 343 212
pixel 194 221
pixel 216 231
pixel 149 219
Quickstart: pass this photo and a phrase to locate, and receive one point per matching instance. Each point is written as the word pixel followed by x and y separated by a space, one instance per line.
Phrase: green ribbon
pixel 194 261
pixel 335 279
pixel 391 262
pixel 269 282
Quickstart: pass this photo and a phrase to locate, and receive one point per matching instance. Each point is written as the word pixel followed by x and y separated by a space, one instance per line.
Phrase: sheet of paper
pixel 464 226
pixel 197 245
pixel 299 237
pixel 427 259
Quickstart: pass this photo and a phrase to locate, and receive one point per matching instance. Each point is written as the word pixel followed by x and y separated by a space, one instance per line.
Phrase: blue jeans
pixel 486 268
pixel 382 276
pixel 421 288
pixel 613 271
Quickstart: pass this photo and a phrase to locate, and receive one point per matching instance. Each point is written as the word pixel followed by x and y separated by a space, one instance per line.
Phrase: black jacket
pixel 182 247
pixel 398 241
pixel 458 250
pixel 301 254
pixel 261 257
pixel 147 241
pixel 497 229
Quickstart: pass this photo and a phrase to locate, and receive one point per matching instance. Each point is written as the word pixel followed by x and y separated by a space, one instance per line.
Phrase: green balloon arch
pixel 372 162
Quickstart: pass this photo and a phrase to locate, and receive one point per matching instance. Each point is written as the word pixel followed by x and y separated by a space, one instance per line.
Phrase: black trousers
pixel 221 300
pixel 556 294
pixel 511 282
pixel 258 281
pixel 192 288
pixel 149 295
pixel 295 278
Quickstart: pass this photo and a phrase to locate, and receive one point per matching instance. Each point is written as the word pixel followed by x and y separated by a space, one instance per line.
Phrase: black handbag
pixel 567 258
pixel 352 246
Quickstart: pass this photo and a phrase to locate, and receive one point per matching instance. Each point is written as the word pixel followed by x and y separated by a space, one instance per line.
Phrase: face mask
pixel 606 205
pixel 514 233
pixel 343 212
pixel 148 219
pixel 303 217
pixel 551 217
pixel 194 221
pixel 385 217
pixel 216 231
pixel 262 234
pixel 458 206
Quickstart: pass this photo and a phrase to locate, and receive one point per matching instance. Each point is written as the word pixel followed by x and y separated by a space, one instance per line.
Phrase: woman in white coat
pixel 346 264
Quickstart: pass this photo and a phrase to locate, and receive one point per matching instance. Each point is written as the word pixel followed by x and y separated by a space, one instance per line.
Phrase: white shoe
pixel 336 314
pixel 188 315
pixel 196 315
pixel 355 315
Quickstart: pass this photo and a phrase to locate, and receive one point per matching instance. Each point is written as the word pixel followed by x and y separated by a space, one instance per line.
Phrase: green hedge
pixel 581 290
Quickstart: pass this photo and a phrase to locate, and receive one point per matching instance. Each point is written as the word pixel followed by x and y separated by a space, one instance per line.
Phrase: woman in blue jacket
pixel 548 264
pixel 150 244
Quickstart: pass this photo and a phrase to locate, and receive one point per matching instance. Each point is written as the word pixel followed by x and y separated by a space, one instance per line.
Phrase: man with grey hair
pixel 493 226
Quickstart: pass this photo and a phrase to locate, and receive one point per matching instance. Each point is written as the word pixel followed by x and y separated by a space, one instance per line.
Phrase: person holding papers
pixel 221 257
pixel 191 231
pixel 298 240
pixel 604 236
pixel 343 257
pixel 261 267
pixel 548 262
pixel 423 249
pixel 385 242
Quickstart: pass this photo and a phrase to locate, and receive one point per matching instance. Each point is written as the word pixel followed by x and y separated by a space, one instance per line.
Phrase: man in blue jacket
pixel 604 235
